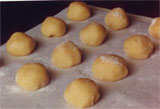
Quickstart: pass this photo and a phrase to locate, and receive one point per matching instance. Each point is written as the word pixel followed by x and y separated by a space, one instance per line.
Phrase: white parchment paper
pixel 139 90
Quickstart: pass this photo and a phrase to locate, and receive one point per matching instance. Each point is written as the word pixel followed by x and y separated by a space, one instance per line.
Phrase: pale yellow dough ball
pixel 138 47
pixel 154 28
pixel 66 55
pixel 32 76
pixel 53 27
pixel 109 67
pixel 93 34
pixel 82 93
pixel 78 11
pixel 116 19
pixel 20 44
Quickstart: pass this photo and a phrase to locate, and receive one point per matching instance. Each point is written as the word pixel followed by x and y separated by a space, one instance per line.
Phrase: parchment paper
pixel 139 90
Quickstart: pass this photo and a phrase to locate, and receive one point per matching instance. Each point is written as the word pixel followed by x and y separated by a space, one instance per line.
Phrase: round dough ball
pixel 32 76
pixel 109 67
pixel 154 28
pixel 20 44
pixel 53 26
pixel 138 47
pixel 93 34
pixel 116 19
pixel 78 11
pixel 66 55
pixel 82 93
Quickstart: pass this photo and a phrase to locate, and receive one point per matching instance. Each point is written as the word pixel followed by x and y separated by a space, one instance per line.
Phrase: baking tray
pixel 140 89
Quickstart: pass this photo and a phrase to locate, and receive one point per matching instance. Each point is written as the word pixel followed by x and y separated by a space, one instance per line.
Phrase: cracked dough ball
pixel 53 26
pixel 66 55
pixel 82 93
pixel 138 47
pixel 20 44
pixel 78 11
pixel 109 67
pixel 93 34
pixel 116 19
pixel 154 28
pixel 32 76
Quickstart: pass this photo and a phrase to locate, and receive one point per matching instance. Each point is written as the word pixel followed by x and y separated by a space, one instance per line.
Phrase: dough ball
pixel 154 28
pixel 53 26
pixel 66 55
pixel 32 76
pixel 116 19
pixel 109 67
pixel 138 47
pixel 20 44
pixel 82 93
pixel 78 11
pixel 93 34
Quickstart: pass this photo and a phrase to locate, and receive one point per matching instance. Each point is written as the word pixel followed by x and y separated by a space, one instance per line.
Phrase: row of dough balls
pixel 135 47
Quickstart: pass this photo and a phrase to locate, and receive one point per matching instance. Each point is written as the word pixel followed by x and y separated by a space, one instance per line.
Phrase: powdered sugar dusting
pixel 1 74
pixel 63 43
pixel 16 89
pixel 44 59
pixel 13 89
pixel 117 14
pixel 47 89
pixel 153 21
pixel 112 59
pixel 153 56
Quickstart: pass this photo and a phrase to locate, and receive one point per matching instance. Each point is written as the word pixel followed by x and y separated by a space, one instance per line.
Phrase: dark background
pixel 21 16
